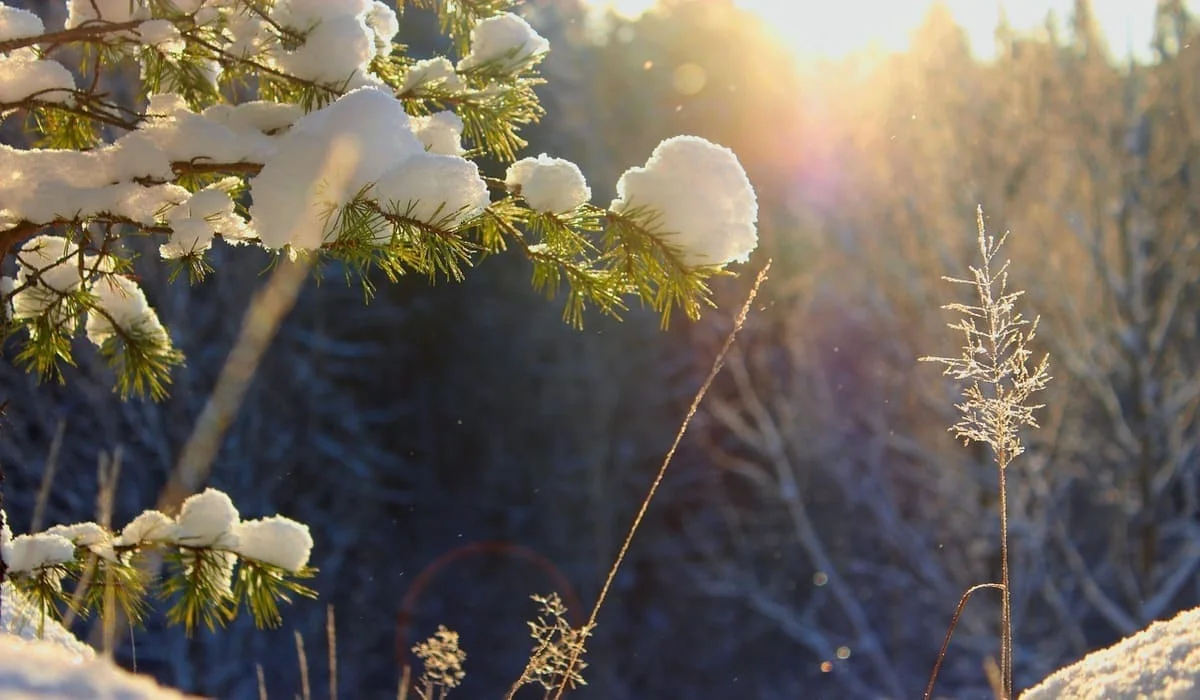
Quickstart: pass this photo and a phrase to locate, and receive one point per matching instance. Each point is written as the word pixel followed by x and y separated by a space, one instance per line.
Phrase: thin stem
pixel 962 604
pixel 718 363
pixel 1006 632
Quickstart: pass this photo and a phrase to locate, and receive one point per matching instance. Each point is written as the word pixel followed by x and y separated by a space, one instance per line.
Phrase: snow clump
pixel 432 72
pixel 434 189
pixel 206 519
pixel 28 552
pixel 363 143
pixel 324 161
pixel 551 185
pixel 704 201
pixel 80 12
pixel 24 76
pixel 506 40
pixel 441 132
pixel 277 541
pixel 341 37
pixel 121 312
pixel 16 23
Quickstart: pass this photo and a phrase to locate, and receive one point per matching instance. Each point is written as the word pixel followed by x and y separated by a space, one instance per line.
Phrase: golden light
pixel 834 29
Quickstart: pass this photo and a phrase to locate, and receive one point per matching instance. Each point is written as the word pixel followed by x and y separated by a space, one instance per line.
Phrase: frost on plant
pixel 443 663
pixel 555 643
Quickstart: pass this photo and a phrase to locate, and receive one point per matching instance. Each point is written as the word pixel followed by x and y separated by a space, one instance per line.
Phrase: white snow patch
pixel 90 535
pixel 123 311
pixel 163 35
pixel 435 189
pixel 506 40
pixel 277 540
pixel 206 518
pixel 551 185
pixel 705 204
pixel 16 23
pixel 1160 662
pixel 148 526
pixel 21 619
pixel 327 158
pixel 115 11
pixel 23 76
pixel 384 25
pixel 29 552
pixel 441 132
pixel 432 72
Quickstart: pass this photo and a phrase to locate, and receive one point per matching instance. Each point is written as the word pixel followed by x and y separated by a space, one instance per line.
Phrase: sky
pixel 835 28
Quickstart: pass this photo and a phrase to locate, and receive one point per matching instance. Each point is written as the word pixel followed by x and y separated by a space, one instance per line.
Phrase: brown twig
pixel 962 603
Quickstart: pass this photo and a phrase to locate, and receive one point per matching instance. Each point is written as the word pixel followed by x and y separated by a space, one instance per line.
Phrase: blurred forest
pixel 457 448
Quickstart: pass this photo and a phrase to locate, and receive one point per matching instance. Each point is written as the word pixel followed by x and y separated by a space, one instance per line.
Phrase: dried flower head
pixel 996 365
pixel 442 658
pixel 555 642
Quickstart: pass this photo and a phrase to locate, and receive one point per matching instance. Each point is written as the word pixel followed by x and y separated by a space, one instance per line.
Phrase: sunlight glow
pixel 821 29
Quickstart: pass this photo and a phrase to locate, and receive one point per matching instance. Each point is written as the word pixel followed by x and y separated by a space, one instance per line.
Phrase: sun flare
pixel 825 29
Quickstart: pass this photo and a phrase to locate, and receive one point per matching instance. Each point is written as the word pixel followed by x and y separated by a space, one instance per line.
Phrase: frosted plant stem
pixel 718 363
pixel 1006 633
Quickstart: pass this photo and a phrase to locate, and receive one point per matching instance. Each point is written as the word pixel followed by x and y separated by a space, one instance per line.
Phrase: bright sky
pixel 834 28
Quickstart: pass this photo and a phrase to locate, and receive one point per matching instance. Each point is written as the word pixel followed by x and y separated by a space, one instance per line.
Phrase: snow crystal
pixel 277 541
pixel 435 189
pixel 122 310
pixel 149 526
pixel 90 535
pixel 432 72
pixel 705 202
pixel 116 11
pixel 327 158
pixel 1161 662
pixel 26 77
pixel 383 23
pixel 548 184
pixel 16 23
pixel 505 39
pixel 163 35
pixel 205 519
pixel 29 552
pixel 440 132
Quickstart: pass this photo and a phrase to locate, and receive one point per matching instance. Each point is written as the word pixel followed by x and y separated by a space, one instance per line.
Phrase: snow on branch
pixel 218 564
pixel 339 146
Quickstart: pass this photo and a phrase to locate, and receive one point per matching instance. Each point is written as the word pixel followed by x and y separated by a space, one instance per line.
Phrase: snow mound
pixel 56 664
pixel 1160 662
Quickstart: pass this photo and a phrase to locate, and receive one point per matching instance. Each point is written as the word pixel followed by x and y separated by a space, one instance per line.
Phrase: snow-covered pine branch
pixel 301 127
pixel 219 563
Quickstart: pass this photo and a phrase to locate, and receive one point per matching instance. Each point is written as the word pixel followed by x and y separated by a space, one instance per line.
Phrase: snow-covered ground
pixel 58 665
pixel 1162 662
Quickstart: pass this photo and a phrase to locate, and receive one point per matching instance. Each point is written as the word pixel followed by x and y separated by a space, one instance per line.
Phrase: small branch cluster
pixel 556 659
pixel 443 662
pixel 217 563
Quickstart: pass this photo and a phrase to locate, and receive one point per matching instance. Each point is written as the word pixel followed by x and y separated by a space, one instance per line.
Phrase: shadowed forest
pixel 457 448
